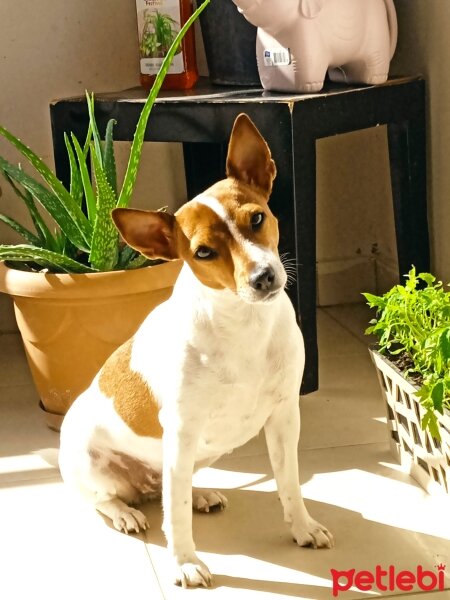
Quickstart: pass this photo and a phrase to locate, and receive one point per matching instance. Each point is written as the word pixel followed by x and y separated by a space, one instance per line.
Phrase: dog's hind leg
pixel 208 500
pixel 124 517
pixel 110 481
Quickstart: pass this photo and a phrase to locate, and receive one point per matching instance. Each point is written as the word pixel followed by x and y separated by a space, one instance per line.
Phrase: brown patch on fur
pixel 133 399
pixel 135 480
pixel 139 475
pixel 198 225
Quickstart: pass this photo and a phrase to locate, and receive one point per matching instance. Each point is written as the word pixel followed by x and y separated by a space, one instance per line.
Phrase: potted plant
pixel 412 359
pixel 78 291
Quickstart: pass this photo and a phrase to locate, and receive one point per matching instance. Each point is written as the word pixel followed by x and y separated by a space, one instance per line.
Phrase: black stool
pixel 202 119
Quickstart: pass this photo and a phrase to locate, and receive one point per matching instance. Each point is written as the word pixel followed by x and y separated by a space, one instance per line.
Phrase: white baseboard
pixel 343 281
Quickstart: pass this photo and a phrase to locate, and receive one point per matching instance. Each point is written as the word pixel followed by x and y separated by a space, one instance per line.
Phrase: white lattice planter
pixel 426 459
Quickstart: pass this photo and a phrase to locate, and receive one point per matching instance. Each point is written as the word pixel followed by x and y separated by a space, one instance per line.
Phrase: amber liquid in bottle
pixel 187 63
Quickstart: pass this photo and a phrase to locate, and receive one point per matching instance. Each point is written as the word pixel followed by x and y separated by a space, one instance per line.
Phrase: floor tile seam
pixel 5 483
pixel 155 572
pixel 303 449
pixel 265 454
pixel 345 328
pixel 356 445
pixel 337 446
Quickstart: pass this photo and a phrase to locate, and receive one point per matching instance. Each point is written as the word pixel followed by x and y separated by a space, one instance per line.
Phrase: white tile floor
pixel 52 547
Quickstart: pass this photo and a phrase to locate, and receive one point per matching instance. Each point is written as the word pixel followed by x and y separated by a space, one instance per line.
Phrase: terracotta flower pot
pixel 70 324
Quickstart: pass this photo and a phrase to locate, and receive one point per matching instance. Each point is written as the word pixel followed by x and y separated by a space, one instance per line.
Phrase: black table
pixel 202 118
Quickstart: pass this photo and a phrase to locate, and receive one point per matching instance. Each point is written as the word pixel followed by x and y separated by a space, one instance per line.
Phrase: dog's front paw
pixel 313 535
pixel 208 501
pixel 130 520
pixel 193 574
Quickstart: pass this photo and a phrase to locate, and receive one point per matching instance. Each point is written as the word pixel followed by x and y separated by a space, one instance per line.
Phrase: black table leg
pixel 204 164
pixel 407 155
pixel 305 203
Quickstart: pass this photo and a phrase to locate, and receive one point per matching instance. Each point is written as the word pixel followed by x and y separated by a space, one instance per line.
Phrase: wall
pixel 356 248
pixel 54 49
pixel 424 47
pixel 51 49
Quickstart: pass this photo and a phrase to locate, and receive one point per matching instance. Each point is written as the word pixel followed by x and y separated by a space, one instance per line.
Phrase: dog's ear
pixel 151 233
pixel 249 159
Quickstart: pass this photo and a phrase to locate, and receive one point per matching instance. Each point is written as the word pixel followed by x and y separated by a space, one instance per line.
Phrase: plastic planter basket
pixel 426 459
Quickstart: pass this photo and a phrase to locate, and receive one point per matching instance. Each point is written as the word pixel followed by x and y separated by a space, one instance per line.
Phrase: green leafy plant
pixel 412 324
pixel 82 240
pixel 158 32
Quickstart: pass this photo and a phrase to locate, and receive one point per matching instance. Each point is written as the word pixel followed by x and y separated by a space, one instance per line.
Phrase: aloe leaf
pixel 50 202
pixel 64 198
pixel 87 142
pixel 138 139
pixel 104 248
pixel 76 184
pixel 42 256
pixel 109 159
pixel 87 185
pixel 138 262
pixel 45 236
pixel 126 254
pixel 93 127
pixel 21 230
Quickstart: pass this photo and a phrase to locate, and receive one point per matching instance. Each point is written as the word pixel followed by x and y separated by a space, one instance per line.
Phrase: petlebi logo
pixel 384 579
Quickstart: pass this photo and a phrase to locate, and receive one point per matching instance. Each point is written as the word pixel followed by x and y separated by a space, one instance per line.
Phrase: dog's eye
pixel 204 253
pixel 257 220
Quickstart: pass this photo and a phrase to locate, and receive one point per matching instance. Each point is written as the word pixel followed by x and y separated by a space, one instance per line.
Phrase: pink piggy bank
pixel 298 41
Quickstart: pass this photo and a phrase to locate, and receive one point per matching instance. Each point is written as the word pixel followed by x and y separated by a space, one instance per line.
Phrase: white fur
pixel 221 369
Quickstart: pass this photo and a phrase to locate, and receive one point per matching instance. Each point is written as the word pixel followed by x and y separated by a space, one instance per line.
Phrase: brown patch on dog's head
pixel 133 399
pixel 227 235
pixel 201 227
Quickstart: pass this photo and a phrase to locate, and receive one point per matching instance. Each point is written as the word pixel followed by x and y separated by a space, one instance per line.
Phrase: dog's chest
pixel 237 380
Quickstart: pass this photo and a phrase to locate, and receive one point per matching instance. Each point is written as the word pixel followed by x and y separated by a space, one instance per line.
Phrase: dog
pixel 206 371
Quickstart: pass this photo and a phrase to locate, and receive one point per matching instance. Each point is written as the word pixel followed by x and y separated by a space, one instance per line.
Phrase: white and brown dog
pixel 206 371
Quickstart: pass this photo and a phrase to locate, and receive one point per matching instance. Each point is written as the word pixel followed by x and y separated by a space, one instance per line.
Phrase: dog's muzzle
pixel 264 285
pixel 263 280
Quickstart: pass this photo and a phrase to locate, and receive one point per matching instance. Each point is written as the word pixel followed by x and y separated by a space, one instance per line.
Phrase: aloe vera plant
pixel 81 241
pixel 158 33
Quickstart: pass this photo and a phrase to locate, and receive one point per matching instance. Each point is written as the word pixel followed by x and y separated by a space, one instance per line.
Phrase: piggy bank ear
pixel 311 8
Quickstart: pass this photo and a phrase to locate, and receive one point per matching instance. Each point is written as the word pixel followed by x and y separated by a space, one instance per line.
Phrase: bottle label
pixel 277 57
pixel 158 25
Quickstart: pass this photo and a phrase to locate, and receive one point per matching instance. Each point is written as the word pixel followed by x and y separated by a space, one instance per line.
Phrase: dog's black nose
pixel 262 279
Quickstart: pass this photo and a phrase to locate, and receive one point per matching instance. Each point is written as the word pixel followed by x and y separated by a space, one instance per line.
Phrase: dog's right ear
pixel 249 159
pixel 149 232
